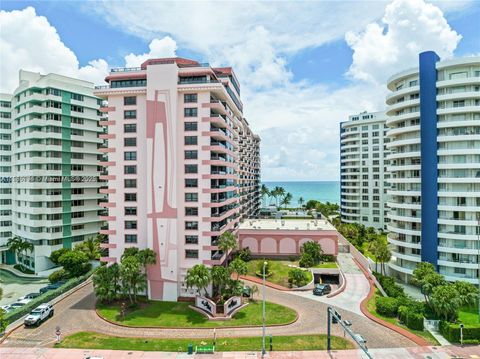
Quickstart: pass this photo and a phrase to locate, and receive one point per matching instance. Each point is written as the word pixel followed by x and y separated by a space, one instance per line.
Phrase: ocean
pixel 323 191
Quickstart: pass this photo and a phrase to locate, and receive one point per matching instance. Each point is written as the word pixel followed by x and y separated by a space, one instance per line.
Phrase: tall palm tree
pixel 301 201
pixel 281 193
pixel 25 246
pixel 14 244
pixel 146 257
pixel 226 242
pixel 198 276
pixel 286 200
pixel 91 247
pixel 265 192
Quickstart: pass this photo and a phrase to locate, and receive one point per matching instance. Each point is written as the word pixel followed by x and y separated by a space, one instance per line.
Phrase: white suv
pixel 39 314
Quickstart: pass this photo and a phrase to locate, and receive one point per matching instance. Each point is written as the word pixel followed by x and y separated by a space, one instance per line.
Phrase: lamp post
pixel 263 311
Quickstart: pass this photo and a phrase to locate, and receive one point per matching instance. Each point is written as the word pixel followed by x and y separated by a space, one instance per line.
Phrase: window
pixel 459 103
pixel 130 224
pixel 130 156
pixel 129 128
pixel 76 108
pixel 191 239
pixel 191 197
pixel 191 211
pixel 191 225
pixel 130 114
pixel 190 140
pixel 190 126
pixel 128 83
pixel 130 170
pixel 76 167
pixel 191 155
pixel 130 211
pixel 75 203
pixel 75 131
pixel 413 83
pixel 130 197
pixel 77 97
pixel 190 112
pixel 54 92
pixel 129 100
pixel 78 156
pixel 77 191
pixel 191 253
pixel 190 97
pixel 130 183
pixel 130 238
pixel 130 142
pixel 191 182
pixel 191 169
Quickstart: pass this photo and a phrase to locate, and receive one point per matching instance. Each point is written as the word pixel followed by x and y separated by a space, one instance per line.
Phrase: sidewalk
pixel 468 352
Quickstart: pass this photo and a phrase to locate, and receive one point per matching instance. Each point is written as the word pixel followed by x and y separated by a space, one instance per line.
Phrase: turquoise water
pixel 323 191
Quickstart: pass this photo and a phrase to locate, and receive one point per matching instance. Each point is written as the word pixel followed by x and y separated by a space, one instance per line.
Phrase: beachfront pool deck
pixel 288 224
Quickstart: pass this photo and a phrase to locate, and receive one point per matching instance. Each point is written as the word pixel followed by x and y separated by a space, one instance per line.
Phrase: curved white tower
pixel 434 130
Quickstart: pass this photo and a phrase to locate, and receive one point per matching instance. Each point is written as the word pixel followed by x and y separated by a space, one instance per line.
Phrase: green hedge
pixel 387 306
pixel 46 297
pixel 451 332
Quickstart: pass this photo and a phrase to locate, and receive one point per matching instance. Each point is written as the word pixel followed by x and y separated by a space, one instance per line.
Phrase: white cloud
pixel 408 28
pixel 29 42
pixel 164 47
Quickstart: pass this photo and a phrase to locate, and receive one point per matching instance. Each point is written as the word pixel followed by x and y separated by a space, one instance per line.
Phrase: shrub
pixel 75 263
pixel 451 332
pixel 390 287
pixel 328 258
pixel 387 306
pixel 58 275
pixel 297 277
pixel 313 249
pixel 55 256
pixel 245 254
pixel 414 320
pixel 306 260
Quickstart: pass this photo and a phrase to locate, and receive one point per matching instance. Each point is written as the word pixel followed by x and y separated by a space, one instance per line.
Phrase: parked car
pixel 18 304
pixel 51 287
pixel 29 296
pixel 322 289
pixel 247 291
pixel 24 300
pixel 39 314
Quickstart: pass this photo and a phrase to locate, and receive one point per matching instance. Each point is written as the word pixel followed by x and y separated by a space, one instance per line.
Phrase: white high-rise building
pixel 363 176
pixel 434 130
pixel 52 167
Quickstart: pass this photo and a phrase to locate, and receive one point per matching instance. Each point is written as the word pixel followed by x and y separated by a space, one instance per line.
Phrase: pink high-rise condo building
pixel 182 166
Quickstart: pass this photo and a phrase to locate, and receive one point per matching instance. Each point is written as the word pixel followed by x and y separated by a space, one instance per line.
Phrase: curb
pixel 54 302
pixel 363 307
pixel 267 283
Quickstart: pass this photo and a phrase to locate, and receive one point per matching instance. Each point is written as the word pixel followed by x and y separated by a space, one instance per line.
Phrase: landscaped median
pixel 180 315
pixel 92 340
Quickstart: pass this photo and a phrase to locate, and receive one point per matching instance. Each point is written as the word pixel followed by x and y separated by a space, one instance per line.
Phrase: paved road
pixel 355 291
pixel 400 353
pixel 76 314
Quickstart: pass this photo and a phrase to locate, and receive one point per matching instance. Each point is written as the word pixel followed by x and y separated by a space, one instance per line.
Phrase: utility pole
pixel 263 312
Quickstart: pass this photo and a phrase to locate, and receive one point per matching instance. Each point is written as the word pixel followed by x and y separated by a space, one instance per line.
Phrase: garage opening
pixel 326 278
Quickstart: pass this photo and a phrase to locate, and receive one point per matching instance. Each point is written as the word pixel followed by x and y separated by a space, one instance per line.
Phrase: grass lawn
pixel 373 310
pixel 178 314
pixel 469 315
pixel 92 340
pixel 279 270
pixel 326 265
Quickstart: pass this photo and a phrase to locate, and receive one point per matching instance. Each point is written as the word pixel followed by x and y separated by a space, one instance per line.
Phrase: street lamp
pixel 263 311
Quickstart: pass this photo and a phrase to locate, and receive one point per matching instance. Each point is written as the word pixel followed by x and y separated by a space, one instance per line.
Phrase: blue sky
pixel 303 67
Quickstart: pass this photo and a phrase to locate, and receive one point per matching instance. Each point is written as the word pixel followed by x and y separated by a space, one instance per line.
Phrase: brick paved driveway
pixel 76 313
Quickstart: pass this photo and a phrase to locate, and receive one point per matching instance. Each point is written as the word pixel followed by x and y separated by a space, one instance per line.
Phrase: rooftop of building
pixel 288 224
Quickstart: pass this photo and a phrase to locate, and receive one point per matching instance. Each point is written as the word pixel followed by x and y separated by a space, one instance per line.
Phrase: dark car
pixel 51 287
pixel 322 289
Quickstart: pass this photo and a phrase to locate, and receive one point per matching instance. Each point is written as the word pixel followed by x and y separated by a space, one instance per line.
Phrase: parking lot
pixel 15 286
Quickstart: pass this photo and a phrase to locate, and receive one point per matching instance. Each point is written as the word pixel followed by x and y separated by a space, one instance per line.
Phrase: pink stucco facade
pixel 286 242
pixel 182 162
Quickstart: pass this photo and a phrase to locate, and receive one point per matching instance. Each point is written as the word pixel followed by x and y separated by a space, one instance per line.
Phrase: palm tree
pixel 147 256
pixel 25 246
pixel 198 276
pixel 281 193
pixel 103 284
pixel 133 280
pixel 301 201
pixel 226 242
pixel 286 200
pixel 91 247
pixel 220 277
pixel 384 255
pixel 277 193
pixel 238 267
pixel 14 244
pixel 265 192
